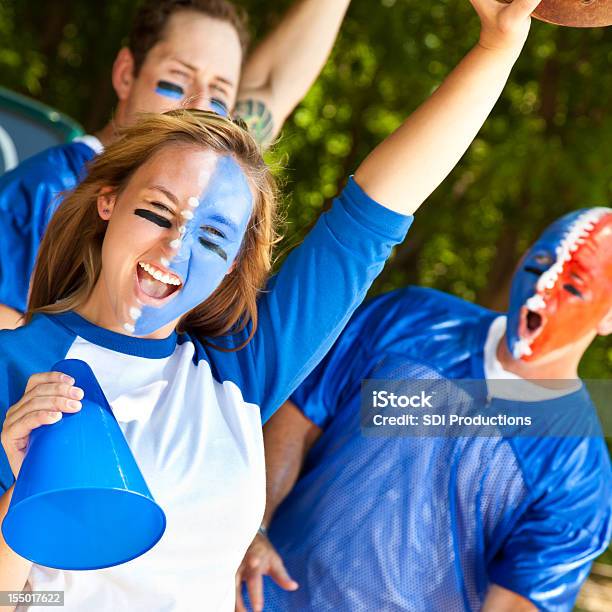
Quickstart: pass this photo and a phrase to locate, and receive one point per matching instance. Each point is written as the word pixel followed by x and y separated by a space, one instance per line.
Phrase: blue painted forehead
pixel 556 231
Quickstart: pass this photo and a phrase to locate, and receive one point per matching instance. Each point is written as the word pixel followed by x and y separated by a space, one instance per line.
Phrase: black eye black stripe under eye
pixel 213 247
pixel 571 289
pixel 173 87
pixel 153 217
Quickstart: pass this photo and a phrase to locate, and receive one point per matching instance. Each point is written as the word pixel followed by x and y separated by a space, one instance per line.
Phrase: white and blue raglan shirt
pixel 192 414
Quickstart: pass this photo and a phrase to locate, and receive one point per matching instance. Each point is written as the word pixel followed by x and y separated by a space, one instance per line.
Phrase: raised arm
pixel 282 68
pixel 405 169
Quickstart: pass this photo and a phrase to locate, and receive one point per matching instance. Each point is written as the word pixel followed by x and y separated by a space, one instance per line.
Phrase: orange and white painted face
pixel 562 288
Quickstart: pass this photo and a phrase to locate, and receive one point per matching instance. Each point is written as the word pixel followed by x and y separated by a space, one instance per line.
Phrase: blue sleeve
pixel 308 303
pixel 326 387
pixel 28 197
pixel 548 553
pixel 28 350
pixel 6 474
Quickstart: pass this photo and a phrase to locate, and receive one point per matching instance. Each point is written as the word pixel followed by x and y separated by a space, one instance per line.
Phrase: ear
pixel 106 202
pixel 123 73
pixel 605 325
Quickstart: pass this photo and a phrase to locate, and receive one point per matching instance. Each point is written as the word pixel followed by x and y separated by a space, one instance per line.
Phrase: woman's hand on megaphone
pixel 46 397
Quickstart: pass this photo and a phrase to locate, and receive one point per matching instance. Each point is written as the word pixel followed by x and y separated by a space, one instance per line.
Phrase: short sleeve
pixel 549 551
pixel 6 474
pixel 319 286
pixel 338 375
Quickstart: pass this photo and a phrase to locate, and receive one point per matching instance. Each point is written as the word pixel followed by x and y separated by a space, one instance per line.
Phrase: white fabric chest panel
pixel 200 449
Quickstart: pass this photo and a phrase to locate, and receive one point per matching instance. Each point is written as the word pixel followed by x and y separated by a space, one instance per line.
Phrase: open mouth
pixel 531 324
pixel 530 327
pixel 533 321
pixel 155 282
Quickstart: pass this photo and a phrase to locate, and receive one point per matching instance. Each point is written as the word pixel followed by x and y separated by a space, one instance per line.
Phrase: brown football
pixel 576 13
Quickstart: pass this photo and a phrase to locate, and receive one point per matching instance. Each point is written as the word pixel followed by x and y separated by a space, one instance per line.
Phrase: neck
pixel 561 364
pixel 98 309
pixel 108 134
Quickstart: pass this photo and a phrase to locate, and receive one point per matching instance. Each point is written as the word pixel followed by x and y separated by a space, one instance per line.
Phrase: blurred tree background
pixel 545 150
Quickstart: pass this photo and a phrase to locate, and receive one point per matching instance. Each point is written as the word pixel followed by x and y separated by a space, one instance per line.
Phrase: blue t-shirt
pixel 29 195
pixel 424 523
pixel 192 414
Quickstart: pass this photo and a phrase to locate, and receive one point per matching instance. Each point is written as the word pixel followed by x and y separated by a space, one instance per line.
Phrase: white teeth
pixel 176 243
pixel 129 328
pixel 521 349
pixel 193 202
pixel 158 275
pixel 187 214
pixel 535 302
pixel 135 313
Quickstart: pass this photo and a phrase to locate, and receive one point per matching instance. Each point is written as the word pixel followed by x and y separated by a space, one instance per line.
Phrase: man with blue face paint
pixel 441 523
pixel 181 53
pixel 209 241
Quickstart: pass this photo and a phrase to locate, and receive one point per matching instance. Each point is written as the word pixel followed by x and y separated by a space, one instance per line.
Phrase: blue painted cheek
pixel 218 107
pixel 169 90
pixel 524 283
pixel 523 287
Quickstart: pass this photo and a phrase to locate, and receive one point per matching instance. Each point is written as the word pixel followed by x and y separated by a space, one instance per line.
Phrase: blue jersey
pixel 29 195
pixel 192 414
pixel 416 523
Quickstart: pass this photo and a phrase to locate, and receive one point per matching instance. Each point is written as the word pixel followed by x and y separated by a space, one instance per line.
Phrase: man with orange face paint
pixel 561 292
pixel 474 522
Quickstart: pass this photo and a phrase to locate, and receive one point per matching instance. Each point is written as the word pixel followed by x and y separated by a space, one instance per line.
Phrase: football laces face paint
pixel 206 239
pixel 170 90
pixel 563 286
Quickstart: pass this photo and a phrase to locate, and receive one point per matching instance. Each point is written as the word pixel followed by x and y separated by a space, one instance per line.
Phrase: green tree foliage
pixel 545 150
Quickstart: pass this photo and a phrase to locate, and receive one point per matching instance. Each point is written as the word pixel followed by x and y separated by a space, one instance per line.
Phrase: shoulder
pixel 427 302
pixel 417 313
pixel 35 347
pixel 60 166
pixel 227 361
pixel 572 474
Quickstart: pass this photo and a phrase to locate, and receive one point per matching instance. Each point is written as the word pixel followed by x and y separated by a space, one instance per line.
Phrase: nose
pixel 203 99
pixel 177 246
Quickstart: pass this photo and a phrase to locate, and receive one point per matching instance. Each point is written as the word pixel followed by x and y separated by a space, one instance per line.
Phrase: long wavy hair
pixel 69 260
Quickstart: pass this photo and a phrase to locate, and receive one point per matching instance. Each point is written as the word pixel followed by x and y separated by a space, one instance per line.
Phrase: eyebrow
pixel 194 69
pixel 225 221
pixel 167 193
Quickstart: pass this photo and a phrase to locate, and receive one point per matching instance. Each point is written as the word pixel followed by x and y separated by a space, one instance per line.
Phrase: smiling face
pixel 197 64
pixel 562 289
pixel 173 234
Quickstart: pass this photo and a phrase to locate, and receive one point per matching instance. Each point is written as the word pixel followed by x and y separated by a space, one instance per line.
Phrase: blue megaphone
pixel 80 501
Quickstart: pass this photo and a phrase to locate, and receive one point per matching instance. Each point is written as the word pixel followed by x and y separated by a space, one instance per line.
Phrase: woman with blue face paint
pixel 155 272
